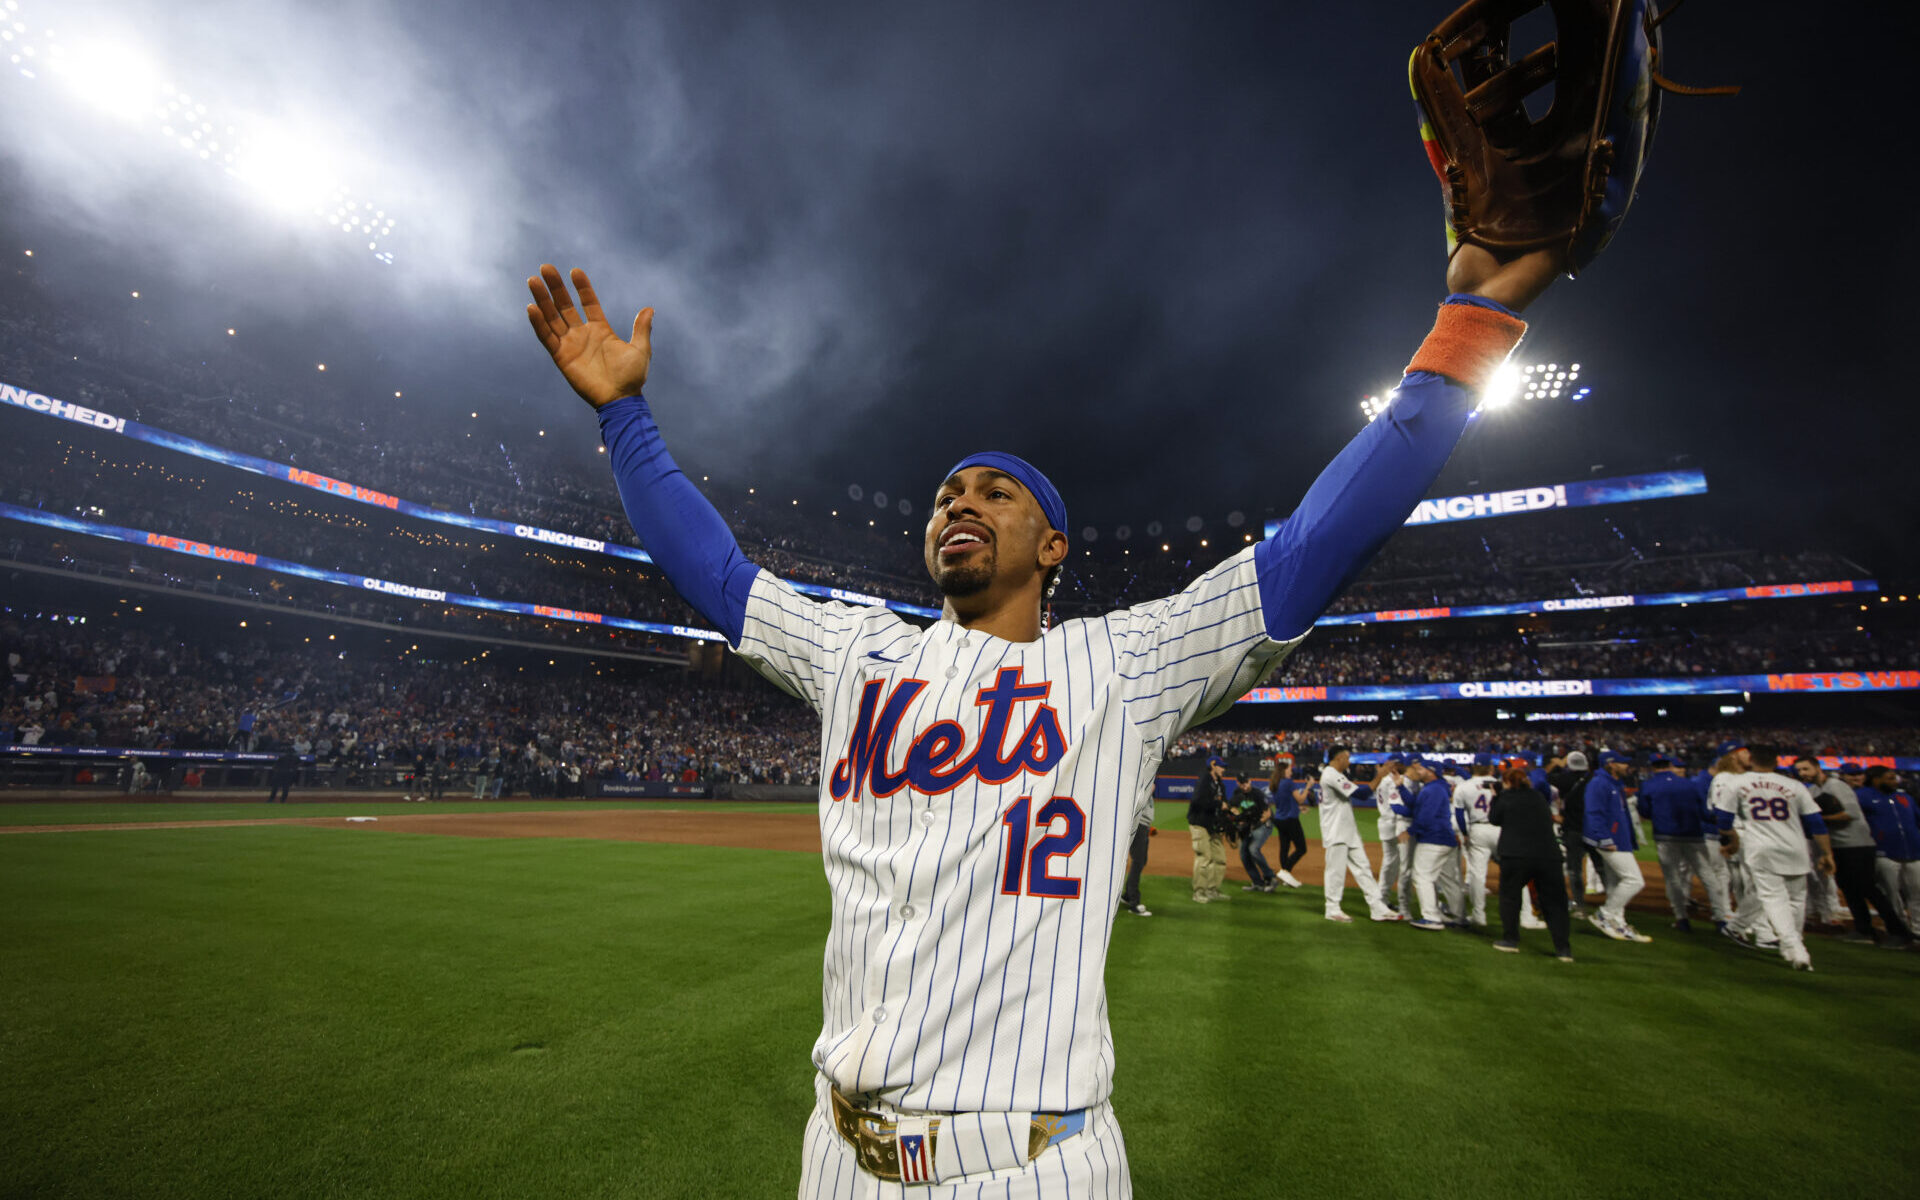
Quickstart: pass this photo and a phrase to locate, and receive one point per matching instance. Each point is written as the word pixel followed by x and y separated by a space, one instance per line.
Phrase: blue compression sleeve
pixel 1362 498
pixel 685 534
pixel 1813 823
pixel 1722 820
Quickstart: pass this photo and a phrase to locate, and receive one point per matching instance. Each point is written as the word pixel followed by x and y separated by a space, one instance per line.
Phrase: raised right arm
pixel 685 535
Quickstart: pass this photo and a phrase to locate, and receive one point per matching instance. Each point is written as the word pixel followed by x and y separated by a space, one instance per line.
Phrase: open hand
pixel 592 357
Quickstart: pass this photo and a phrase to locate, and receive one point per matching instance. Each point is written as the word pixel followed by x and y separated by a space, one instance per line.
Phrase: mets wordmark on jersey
pixel 976 803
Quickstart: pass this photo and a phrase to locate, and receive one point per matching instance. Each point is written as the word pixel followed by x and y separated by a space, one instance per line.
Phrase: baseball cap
pixel 1394 758
pixel 1728 747
pixel 1518 761
pixel 1483 760
pixel 1614 756
pixel 1577 761
pixel 1660 760
pixel 1852 768
pixel 1216 761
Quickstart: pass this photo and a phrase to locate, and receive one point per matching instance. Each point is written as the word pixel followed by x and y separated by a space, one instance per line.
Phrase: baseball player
pixel 1433 832
pixel 1340 842
pixel 1680 822
pixel 1767 818
pixel 1725 874
pixel 1610 830
pixel 982 776
pixel 1391 791
pixel 1473 797
pixel 1896 833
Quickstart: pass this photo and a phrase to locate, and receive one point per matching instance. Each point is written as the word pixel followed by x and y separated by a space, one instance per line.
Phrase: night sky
pixel 1161 250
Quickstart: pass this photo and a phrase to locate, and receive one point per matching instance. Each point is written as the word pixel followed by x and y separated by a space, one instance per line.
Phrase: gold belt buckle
pixel 876 1144
pixel 873 1138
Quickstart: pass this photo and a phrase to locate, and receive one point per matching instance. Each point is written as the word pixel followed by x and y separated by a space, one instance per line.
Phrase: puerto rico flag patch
pixel 915 1140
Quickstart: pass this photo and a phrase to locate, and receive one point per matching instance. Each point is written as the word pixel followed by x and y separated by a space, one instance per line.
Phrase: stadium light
pixel 281 165
pixel 116 79
pixel 1503 388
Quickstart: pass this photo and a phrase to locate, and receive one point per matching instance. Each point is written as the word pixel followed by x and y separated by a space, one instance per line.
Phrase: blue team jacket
pixel 1675 806
pixel 1430 815
pixel 1608 825
pixel 1891 817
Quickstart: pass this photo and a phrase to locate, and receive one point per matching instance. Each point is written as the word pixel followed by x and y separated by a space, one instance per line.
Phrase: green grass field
pixel 112 812
pixel 298 1012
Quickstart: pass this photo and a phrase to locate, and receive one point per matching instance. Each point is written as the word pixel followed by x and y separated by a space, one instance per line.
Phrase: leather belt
pixel 876 1145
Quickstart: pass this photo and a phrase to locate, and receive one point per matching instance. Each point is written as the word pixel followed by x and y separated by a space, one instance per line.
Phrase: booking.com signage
pixel 1622 489
pixel 35 402
pixel 1567 604
pixel 1801 682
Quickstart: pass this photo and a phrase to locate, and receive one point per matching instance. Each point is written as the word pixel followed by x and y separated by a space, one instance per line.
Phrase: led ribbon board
pixel 1827 682
pixel 1621 489
pixel 1567 604
pixel 280 566
pixel 35 402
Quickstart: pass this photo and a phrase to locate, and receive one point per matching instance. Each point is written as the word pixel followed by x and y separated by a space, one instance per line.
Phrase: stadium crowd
pixel 356 711
pixel 1618 652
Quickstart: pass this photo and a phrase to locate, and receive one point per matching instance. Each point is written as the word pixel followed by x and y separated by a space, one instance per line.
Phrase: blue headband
pixel 1054 508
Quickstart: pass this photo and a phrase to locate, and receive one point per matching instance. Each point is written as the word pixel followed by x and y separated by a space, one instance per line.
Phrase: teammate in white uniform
pixel 981 777
pixel 1473 796
pixel 1340 842
pixel 1391 788
pixel 1768 818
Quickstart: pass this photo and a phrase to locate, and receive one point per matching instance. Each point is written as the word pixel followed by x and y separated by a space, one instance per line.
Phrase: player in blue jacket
pixel 1678 811
pixel 1609 830
pixel 1891 815
pixel 1433 832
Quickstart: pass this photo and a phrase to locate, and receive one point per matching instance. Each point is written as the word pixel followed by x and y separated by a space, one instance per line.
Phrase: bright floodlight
pixel 288 176
pixel 117 80
pixel 1502 388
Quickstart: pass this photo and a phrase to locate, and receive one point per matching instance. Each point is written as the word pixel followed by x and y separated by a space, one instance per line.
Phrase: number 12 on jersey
pixel 1032 865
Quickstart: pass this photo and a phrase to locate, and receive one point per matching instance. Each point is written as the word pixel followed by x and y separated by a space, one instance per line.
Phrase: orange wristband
pixel 1468 343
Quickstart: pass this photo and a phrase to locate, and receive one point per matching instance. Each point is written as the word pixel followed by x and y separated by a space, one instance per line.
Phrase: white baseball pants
pixel 1682 862
pixel 1900 881
pixel 1823 892
pixel 1092 1165
pixel 1624 882
pixel 1344 857
pixel 1782 903
pixel 1396 871
pixel 1719 878
pixel 1482 839
pixel 1438 864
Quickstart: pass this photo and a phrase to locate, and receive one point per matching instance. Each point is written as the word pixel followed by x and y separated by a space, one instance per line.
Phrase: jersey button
pixel 906 912
pixel 952 671
pixel 926 817
pixel 879 1016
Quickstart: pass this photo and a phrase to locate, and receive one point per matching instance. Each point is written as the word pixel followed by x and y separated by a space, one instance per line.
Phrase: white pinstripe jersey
pixel 976 802
pixel 1474 794
pixel 1767 808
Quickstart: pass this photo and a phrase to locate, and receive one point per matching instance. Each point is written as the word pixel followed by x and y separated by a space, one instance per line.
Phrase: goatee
pixel 965 581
